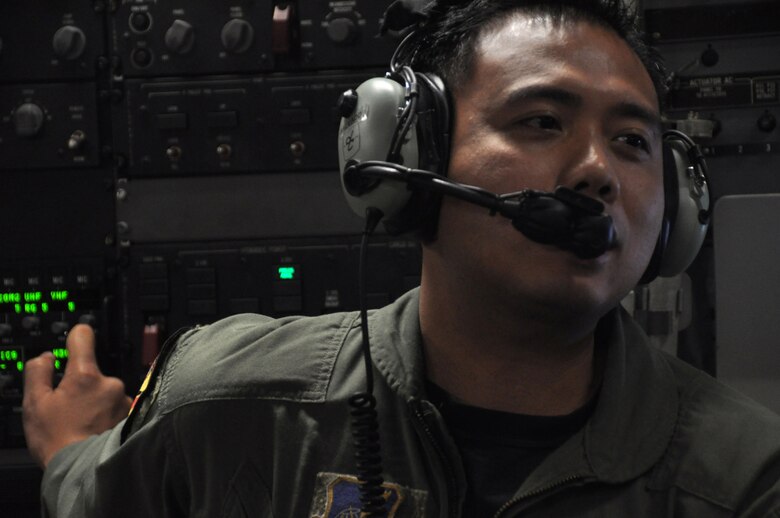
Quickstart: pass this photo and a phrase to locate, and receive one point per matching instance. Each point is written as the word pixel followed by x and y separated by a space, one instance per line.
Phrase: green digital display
pixel 60 357
pixel 287 273
pixel 11 359
pixel 10 298
pixel 9 354
pixel 35 302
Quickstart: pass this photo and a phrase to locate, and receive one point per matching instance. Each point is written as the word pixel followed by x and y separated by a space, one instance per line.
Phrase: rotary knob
pixel 180 37
pixel 89 319
pixel 710 57
pixel 6 330
pixel 140 21
pixel 237 36
pixel 342 31
pixel 767 122
pixel 31 323
pixel 60 327
pixel 28 120
pixel 69 42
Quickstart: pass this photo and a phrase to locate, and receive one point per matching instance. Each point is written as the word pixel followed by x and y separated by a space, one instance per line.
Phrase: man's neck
pixel 497 358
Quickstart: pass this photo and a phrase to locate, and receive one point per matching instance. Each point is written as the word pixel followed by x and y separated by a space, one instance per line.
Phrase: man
pixel 508 384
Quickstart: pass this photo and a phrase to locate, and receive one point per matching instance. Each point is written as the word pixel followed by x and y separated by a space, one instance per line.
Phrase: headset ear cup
pixel 366 134
pixel 433 127
pixel 654 266
pixel 667 220
pixel 686 208
pixel 370 125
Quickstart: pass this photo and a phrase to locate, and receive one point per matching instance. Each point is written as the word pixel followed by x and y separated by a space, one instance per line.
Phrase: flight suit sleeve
pixel 99 477
pixel 764 498
pixel 129 470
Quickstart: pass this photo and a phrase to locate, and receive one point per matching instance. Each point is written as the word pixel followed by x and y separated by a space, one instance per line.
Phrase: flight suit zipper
pixel 453 494
pixel 558 484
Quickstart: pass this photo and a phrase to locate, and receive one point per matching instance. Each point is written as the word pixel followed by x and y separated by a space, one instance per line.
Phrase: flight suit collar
pixel 632 422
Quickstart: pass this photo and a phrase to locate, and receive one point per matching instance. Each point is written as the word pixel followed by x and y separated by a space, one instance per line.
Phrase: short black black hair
pixel 445 43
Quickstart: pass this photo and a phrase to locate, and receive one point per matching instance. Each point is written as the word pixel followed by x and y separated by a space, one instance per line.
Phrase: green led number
pixel 286 273
pixel 9 355
pixel 10 358
pixel 60 353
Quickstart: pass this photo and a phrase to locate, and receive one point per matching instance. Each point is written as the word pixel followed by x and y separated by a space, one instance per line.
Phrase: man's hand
pixel 85 402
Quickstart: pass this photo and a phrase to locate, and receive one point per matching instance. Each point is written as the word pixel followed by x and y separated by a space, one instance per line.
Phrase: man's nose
pixel 592 173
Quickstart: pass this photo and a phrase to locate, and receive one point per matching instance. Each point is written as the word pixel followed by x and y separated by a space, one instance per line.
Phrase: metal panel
pixel 233 207
pixel 747 280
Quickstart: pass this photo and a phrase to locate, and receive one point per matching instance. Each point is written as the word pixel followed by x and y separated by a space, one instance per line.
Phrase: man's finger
pixel 81 347
pixel 37 375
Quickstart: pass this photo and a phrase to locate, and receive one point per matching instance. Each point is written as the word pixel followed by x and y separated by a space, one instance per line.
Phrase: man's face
pixel 548 106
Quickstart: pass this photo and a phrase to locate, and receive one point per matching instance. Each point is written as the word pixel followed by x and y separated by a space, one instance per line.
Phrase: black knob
pixel 347 103
pixel 237 36
pixel 31 323
pixel 28 120
pixel 69 42
pixel 342 30
pixel 89 319
pixel 140 22
pixel 6 330
pixel 59 327
pixel 5 380
pixel 180 37
pixel 710 57
pixel 142 57
pixel 767 122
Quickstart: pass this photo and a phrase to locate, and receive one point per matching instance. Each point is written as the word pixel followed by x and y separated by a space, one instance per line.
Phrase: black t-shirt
pixel 500 449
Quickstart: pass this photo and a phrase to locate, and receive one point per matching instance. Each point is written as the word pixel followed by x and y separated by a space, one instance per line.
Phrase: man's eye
pixel 545 122
pixel 636 141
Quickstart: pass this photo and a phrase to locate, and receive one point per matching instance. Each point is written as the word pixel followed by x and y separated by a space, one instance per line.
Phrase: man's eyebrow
pixel 632 110
pixel 543 92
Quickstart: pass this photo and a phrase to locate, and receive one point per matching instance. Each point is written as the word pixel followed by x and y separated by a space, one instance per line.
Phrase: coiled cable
pixel 364 418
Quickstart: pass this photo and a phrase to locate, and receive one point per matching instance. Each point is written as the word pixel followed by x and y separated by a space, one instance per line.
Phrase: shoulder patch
pixel 338 496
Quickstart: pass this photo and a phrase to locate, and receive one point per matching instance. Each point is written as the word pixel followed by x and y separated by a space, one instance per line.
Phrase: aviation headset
pixel 403 120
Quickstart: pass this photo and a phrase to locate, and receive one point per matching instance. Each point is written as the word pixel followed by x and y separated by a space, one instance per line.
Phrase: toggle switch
pixel 77 140
pixel 173 153
pixel 282 31
pixel 297 149
pixel 224 151
pixel 150 344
